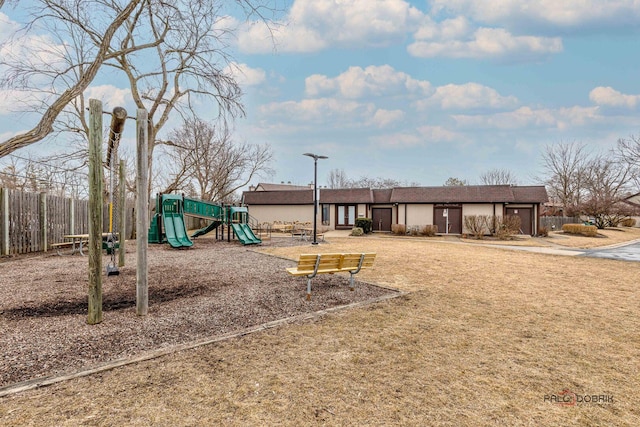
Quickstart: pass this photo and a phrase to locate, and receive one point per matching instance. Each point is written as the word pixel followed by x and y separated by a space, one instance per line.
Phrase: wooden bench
pixel 311 265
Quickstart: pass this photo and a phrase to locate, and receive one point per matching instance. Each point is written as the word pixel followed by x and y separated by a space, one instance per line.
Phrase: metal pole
pixel 315 199
pixel 315 192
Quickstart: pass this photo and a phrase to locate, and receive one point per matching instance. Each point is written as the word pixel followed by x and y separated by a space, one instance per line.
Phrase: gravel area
pixel 211 289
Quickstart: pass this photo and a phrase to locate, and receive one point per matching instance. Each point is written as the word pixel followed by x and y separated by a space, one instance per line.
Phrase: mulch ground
pixel 212 289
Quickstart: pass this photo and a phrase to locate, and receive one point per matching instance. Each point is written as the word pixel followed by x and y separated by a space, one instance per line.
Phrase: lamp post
pixel 315 192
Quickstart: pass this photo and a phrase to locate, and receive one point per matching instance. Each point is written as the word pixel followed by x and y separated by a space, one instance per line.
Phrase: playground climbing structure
pixel 168 224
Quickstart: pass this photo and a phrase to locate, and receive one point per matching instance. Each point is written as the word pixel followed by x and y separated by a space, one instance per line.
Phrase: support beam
pixel 122 204
pixel 95 212
pixel 142 213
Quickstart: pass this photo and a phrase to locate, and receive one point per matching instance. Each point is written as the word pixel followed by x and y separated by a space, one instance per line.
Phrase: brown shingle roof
pixel 470 194
pixel 346 195
pixel 453 194
pixel 280 187
pixel 290 197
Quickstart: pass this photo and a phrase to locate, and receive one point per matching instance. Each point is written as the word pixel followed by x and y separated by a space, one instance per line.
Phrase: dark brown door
pixel 525 215
pixel 381 219
pixel 448 216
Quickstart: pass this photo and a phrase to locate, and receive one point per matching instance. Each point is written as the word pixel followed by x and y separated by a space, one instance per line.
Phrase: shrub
pixel 507 226
pixel 584 230
pixel 429 230
pixel 543 231
pixel 357 231
pixel 399 229
pixel 414 231
pixel 477 225
pixel 365 224
pixel 628 222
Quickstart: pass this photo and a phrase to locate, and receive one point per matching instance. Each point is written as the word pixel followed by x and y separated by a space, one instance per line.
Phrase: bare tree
pixel 565 166
pixel 453 181
pixel 628 151
pixel 52 176
pixel 338 179
pixel 498 177
pixel 173 55
pixel 209 165
pixel 606 182
pixel 20 72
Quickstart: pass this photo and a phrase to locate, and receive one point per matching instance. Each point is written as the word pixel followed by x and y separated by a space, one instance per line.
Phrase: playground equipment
pixel 112 242
pixel 168 223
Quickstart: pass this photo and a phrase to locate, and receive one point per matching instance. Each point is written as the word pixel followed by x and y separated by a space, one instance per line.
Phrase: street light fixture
pixel 315 192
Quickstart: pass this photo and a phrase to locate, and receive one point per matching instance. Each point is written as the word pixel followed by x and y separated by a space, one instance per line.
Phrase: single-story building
pixel 411 206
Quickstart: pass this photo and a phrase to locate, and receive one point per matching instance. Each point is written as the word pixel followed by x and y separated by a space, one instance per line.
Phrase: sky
pixel 420 91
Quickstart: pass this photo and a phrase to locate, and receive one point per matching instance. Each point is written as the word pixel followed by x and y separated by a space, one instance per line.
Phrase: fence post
pixel 43 221
pixel 4 220
pixel 72 216
pixel 95 212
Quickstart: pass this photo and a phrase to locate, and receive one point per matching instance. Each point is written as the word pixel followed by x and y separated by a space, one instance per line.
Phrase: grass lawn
pixel 484 336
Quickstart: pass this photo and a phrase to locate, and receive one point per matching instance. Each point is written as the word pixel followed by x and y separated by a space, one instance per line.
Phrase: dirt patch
pixel 211 289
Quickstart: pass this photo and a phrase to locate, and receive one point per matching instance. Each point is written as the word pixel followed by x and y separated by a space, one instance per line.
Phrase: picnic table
pixel 75 241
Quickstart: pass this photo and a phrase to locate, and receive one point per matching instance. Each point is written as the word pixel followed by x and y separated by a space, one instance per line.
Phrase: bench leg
pixel 351 284
pixel 308 289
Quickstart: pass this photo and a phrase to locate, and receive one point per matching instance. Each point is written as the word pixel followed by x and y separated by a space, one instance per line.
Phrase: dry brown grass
pixel 485 334
pixel 608 236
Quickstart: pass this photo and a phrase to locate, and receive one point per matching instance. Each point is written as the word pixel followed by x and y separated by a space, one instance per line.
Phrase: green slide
pixel 245 234
pixel 174 227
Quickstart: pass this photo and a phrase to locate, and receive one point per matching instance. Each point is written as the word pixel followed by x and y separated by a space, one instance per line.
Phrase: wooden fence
pixel 31 222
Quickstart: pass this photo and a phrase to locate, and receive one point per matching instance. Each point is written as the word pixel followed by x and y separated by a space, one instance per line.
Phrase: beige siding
pixel 362 211
pixel 286 213
pixel 479 209
pixel 401 214
pixel 419 214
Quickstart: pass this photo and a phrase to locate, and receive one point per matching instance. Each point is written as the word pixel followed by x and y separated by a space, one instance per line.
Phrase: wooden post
pixel 43 221
pixel 95 212
pixel 122 200
pixel 4 220
pixel 142 213
pixel 72 216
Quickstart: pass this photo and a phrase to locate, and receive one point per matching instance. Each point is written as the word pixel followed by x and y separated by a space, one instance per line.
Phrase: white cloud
pixel 384 118
pixel 466 96
pixel 398 140
pixel 359 82
pixel 481 43
pixel 526 117
pixel 315 25
pixel 321 111
pixel 110 95
pixel 561 14
pixel 245 75
pixel 607 96
pixel 438 134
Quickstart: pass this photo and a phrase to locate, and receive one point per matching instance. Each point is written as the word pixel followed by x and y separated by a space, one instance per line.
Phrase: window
pixel 325 215
pixel 346 215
